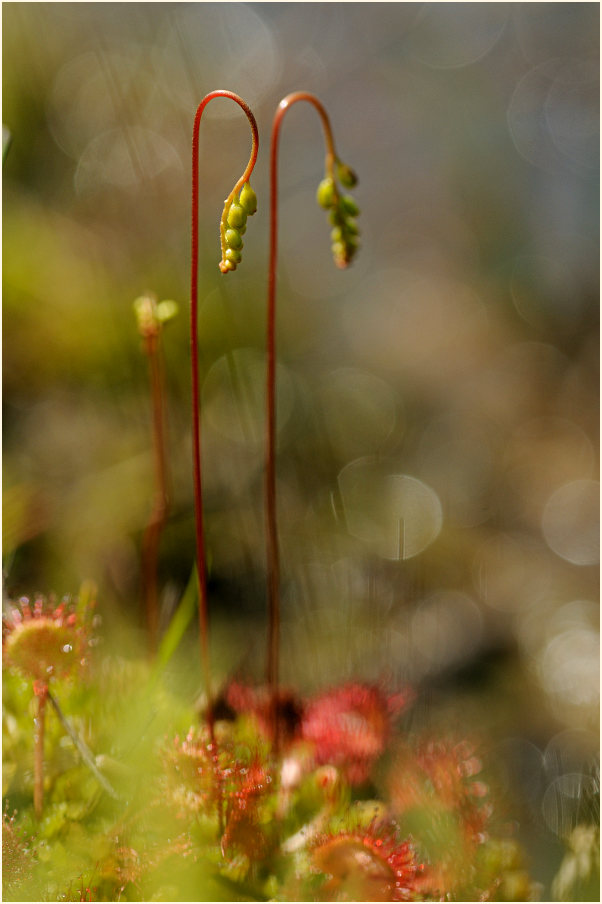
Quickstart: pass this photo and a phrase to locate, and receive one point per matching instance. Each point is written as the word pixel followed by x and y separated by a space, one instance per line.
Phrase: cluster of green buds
pixel 343 211
pixel 151 315
pixel 234 225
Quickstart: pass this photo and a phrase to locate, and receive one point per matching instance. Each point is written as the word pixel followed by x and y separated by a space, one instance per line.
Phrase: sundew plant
pixel 328 631
pixel 258 799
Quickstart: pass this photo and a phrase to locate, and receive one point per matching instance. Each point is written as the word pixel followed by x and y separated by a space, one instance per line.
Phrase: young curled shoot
pixel 233 225
pixel 342 208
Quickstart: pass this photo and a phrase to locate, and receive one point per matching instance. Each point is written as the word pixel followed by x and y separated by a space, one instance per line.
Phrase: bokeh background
pixel 437 402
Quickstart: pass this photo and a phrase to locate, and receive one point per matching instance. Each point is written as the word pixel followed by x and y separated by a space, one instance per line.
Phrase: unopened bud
pixel 248 199
pixel 237 216
pixel 325 195
pixel 233 238
pixel 346 175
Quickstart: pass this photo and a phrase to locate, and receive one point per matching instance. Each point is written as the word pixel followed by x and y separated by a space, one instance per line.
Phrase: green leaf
pixel 177 627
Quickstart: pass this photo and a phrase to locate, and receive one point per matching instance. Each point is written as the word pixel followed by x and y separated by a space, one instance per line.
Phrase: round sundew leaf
pixel 41 648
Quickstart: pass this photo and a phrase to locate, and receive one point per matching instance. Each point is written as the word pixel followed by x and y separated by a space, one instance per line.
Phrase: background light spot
pixel 569 666
pixel 446 628
pixel 397 515
pixel 359 411
pixel 234 396
pixel 450 35
pixel 571 522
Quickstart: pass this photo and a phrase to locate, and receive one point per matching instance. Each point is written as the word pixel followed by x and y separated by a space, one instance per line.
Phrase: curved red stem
pixel 196 429
pixel 273 566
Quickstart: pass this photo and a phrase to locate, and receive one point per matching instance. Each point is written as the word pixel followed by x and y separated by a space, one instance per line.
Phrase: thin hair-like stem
pixel 83 749
pixel 158 517
pixel 273 566
pixel 196 429
pixel 41 693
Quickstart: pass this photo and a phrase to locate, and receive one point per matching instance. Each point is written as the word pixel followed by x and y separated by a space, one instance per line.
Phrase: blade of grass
pixel 177 627
pixel 83 749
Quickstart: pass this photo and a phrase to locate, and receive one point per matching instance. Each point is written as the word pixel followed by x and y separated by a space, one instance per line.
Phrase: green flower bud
pixel 233 238
pixel 237 216
pixel 248 199
pixel 166 310
pixel 232 254
pixel 339 251
pixel 144 310
pixel 349 206
pixel 351 227
pixel 337 234
pixel 325 195
pixel 346 175
pixel 226 266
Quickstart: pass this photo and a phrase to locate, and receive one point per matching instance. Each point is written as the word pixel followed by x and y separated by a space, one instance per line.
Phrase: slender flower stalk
pixel 161 503
pixel 230 239
pixel 342 211
pixel 151 318
pixel 40 689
